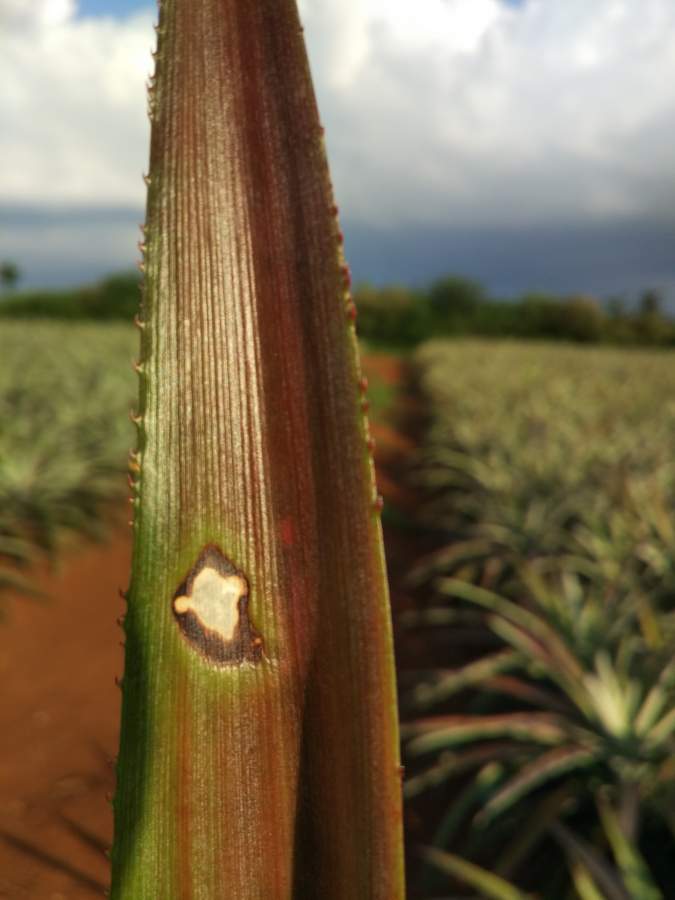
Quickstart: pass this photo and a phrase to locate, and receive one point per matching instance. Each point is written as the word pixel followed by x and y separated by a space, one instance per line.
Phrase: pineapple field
pixel 544 714
pixel 529 495
pixel 65 395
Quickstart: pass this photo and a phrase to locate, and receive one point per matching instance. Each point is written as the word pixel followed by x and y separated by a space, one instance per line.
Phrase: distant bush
pixel 9 275
pixel 454 300
pixel 583 319
pixel 392 315
pixel 575 319
pixel 456 306
pixel 115 298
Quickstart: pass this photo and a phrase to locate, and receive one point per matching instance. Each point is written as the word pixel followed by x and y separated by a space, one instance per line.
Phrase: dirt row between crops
pixel 59 705
pixel 59 708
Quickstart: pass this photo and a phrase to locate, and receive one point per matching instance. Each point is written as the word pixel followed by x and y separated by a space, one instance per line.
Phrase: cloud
pixel 559 110
pixel 72 105
pixel 18 15
pixel 444 112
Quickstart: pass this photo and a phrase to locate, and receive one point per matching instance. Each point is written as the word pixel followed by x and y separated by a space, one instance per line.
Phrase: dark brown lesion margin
pixel 246 644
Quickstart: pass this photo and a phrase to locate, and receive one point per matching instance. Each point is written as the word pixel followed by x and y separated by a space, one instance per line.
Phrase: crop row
pixel 546 721
pixel 65 395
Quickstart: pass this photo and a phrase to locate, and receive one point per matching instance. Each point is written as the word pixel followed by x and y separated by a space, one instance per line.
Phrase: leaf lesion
pixel 211 607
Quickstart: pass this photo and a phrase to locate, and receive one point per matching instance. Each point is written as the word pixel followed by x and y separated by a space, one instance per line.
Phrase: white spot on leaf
pixel 214 599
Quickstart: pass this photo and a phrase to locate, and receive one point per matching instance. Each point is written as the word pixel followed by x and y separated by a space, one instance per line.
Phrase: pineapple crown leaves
pixel 609 716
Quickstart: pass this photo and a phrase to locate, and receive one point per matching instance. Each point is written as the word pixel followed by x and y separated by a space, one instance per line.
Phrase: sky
pixel 526 144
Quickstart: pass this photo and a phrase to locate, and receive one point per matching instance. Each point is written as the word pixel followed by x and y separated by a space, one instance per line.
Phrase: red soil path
pixel 58 727
pixel 59 705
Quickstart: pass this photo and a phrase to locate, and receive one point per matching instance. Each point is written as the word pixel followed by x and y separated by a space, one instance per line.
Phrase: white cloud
pixel 556 110
pixel 443 111
pixel 34 14
pixel 72 105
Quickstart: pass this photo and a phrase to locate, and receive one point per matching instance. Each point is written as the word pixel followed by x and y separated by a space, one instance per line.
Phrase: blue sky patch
pixel 124 7
pixel 111 7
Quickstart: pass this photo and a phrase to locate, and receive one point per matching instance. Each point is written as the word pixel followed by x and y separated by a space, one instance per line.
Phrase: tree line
pixel 455 306
pixel 397 315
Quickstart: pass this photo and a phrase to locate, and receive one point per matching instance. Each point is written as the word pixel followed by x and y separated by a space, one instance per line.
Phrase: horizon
pixel 628 300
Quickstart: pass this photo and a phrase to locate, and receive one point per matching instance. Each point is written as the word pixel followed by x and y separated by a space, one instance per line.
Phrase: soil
pixel 59 708
pixel 59 704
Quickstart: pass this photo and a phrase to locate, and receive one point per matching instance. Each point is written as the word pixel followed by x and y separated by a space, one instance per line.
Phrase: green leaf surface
pixel 448 731
pixel 583 882
pixel 489 885
pixel 546 767
pixel 634 869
